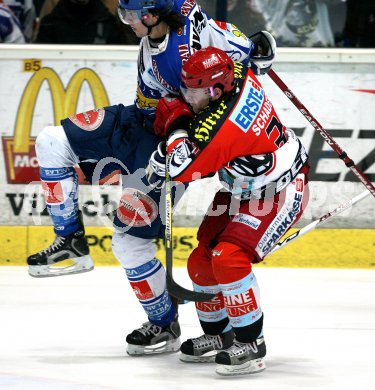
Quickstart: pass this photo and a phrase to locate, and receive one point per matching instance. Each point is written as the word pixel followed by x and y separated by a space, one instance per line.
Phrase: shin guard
pixel 60 187
pixel 212 314
pixel 148 284
pixel 232 268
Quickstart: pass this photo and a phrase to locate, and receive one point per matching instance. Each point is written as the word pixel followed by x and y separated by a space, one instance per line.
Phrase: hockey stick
pixel 331 142
pixel 174 289
pixel 320 221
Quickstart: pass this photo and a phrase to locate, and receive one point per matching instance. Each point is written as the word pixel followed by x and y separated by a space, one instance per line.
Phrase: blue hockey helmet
pixel 130 9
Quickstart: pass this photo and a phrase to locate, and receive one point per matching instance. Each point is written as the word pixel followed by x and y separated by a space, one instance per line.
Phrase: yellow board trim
pixel 321 248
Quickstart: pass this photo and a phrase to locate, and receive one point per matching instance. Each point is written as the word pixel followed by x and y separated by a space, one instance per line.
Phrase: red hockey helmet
pixel 208 67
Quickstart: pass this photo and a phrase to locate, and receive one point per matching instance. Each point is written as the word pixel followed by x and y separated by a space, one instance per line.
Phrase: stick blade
pixel 184 294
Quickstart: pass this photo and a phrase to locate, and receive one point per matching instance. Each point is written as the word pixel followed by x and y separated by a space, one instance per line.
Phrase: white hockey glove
pixel 265 51
pixel 155 169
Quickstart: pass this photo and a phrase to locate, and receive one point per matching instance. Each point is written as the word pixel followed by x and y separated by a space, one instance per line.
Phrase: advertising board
pixel 36 92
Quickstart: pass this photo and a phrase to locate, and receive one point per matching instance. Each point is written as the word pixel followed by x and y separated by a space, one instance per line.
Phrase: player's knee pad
pixel 230 262
pixel 200 268
pixel 53 149
pixel 132 251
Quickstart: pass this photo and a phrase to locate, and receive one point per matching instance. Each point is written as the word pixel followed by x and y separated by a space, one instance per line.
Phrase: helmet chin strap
pixel 149 28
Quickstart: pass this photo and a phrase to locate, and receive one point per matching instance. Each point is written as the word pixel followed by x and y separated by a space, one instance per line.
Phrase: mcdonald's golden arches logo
pixel 19 150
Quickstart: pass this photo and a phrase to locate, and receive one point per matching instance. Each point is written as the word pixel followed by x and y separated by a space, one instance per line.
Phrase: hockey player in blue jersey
pixel 119 137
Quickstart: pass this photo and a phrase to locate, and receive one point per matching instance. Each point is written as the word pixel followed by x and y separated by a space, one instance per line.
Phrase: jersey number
pixel 275 125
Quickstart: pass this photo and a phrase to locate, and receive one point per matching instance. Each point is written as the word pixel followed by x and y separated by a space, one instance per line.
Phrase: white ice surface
pixel 68 333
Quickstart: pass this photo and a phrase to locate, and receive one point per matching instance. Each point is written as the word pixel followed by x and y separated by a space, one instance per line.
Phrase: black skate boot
pixel 203 349
pixel 74 247
pixel 152 339
pixel 242 358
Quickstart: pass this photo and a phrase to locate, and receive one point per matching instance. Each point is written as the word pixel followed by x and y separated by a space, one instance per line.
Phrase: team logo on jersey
pixel 180 31
pixel 89 120
pixel 247 220
pixel 248 107
pixel 136 209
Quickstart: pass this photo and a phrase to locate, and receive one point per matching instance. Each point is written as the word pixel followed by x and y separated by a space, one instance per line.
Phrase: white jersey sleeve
pixel 205 31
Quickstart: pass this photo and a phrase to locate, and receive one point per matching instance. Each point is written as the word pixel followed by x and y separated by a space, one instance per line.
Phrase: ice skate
pixel 204 349
pixel 51 261
pixel 152 339
pixel 242 358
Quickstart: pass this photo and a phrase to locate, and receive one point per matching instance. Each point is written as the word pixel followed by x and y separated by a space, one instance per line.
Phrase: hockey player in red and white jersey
pixel 263 168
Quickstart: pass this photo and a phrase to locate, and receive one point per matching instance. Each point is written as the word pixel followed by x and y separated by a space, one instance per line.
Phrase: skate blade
pixel 250 367
pixel 75 265
pixel 207 358
pixel 163 347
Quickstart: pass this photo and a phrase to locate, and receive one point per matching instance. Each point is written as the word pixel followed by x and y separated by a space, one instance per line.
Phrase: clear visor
pixel 130 16
pixel 196 95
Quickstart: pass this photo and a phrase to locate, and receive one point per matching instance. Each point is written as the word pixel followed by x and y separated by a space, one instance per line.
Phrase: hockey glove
pixel 155 170
pixel 265 50
pixel 170 112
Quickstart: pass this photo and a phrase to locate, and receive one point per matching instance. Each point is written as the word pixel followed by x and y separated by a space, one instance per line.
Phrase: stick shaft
pixel 174 289
pixel 324 218
pixel 318 127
